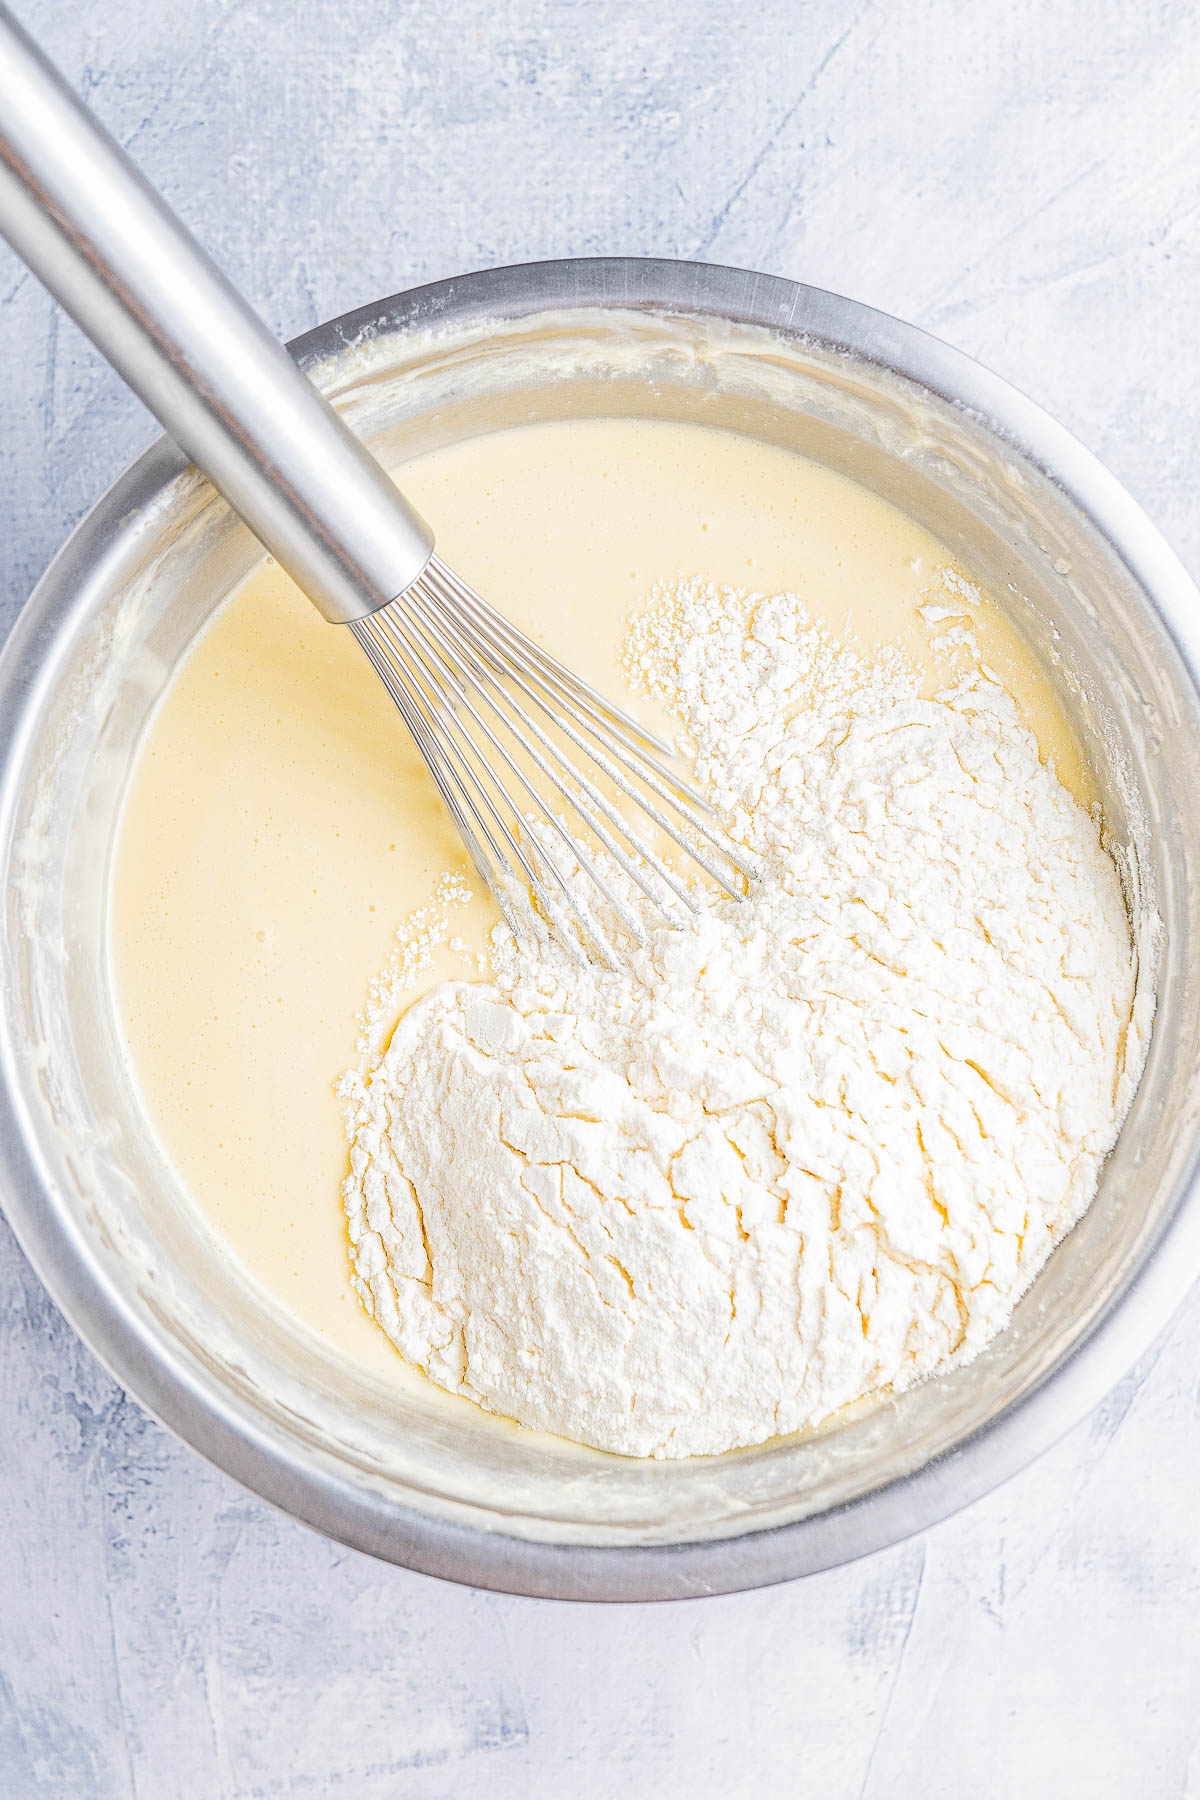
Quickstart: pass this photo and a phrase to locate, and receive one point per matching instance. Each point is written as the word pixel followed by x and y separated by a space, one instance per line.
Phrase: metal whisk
pixel 540 772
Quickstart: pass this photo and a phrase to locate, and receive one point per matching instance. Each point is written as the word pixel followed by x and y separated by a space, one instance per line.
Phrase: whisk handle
pixel 108 247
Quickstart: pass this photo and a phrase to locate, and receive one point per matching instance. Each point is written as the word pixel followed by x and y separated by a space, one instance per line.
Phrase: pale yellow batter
pixel 280 827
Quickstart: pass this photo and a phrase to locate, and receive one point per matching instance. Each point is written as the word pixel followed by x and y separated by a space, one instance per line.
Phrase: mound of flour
pixel 814 1145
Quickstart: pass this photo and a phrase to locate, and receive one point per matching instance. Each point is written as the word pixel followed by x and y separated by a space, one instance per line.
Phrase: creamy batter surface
pixel 280 827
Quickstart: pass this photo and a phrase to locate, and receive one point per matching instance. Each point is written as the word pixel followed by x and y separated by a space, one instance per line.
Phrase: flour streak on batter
pixel 814 1144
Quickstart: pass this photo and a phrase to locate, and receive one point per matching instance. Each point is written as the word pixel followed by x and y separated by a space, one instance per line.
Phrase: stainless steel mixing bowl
pixel 411 1477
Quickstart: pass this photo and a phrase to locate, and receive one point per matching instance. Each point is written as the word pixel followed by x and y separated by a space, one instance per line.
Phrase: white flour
pixel 813 1146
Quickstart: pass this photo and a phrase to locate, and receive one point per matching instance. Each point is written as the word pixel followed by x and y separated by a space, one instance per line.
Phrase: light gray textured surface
pixel 1022 179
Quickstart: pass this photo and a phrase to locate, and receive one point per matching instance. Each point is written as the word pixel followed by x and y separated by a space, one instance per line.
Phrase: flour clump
pixel 812 1146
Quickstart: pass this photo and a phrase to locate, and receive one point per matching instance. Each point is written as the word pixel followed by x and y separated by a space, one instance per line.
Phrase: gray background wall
pixel 1023 179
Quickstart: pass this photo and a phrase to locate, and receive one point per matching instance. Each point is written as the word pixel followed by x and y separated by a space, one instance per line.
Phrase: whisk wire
pixel 462 596
pixel 589 800
pixel 467 766
pixel 663 781
pixel 458 673
pixel 453 668
pixel 560 689
pixel 417 718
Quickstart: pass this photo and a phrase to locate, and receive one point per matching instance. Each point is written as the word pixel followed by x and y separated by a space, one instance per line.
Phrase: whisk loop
pixel 496 719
